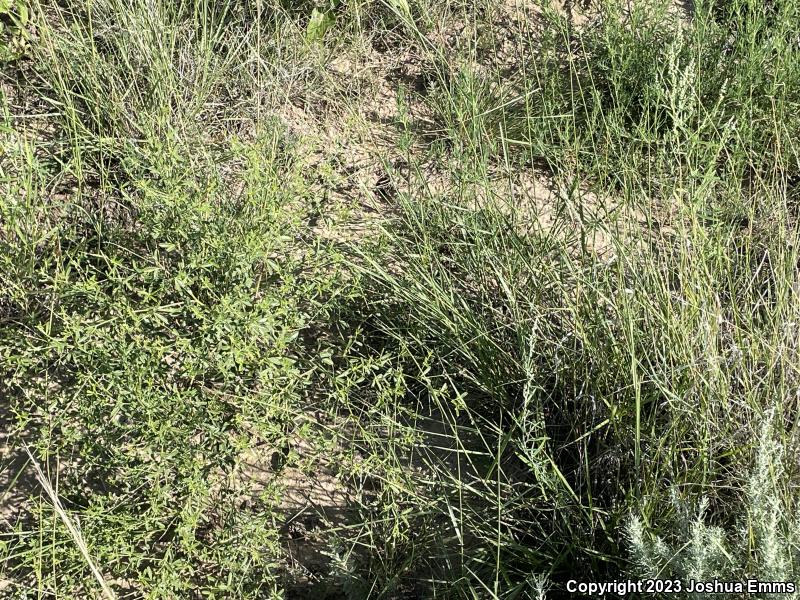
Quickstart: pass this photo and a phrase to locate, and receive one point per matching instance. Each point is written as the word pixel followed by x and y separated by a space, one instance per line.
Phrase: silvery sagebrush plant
pixel 762 546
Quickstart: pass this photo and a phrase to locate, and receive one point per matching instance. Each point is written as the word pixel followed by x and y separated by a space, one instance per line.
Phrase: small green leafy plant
pixel 14 35
pixel 321 19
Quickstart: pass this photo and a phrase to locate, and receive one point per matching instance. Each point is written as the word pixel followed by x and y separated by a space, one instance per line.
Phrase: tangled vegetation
pixel 397 298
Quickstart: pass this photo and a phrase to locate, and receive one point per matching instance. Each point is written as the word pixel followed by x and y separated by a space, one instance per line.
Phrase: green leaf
pixel 319 23
pixel 401 7
pixel 5 5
